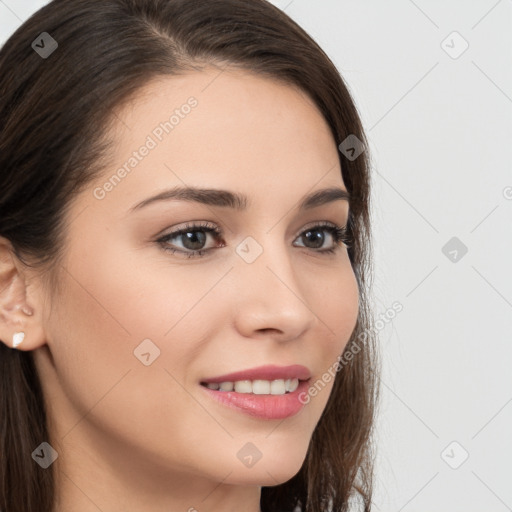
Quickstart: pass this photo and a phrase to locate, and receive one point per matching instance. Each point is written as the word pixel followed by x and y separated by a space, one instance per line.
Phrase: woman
pixel 185 249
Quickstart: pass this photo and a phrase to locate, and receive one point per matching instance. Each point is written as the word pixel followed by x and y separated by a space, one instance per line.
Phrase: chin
pixel 262 477
pixel 269 471
pixel 280 475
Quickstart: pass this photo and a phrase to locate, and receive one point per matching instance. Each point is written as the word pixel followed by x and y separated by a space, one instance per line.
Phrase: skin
pixel 132 437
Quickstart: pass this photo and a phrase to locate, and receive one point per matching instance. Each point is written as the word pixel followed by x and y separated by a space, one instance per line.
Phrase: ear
pixel 20 302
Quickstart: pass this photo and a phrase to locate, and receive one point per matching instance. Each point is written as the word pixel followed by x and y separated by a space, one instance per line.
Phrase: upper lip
pixel 267 372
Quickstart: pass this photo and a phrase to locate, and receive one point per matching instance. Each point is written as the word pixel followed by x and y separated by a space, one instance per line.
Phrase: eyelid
pixel 193 225
pixel 315 224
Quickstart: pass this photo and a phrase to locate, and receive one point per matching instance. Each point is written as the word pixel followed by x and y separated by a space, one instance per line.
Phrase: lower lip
pixel 269 407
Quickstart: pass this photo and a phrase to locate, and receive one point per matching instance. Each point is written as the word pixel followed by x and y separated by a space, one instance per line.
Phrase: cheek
pixel 104 313
pixel 111 306
pixel 337 308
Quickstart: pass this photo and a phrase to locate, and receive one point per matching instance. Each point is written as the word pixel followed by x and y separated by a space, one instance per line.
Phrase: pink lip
pixel 269 407
pixel 267 372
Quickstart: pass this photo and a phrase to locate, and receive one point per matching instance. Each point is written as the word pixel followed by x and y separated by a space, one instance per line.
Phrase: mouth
pixel 268 392
pixel 260 399
pixel 257 386
pixel 261 375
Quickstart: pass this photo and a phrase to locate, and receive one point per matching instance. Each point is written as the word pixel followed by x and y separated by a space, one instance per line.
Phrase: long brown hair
pixel 54 116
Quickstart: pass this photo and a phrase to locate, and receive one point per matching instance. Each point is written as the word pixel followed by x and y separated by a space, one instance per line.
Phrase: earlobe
pixel 17 339
pixel 18 323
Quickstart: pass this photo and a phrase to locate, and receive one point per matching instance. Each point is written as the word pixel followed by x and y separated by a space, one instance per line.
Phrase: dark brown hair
pixel 55 114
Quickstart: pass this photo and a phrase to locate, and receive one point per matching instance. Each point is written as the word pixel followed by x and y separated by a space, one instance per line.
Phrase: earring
pixel 17 338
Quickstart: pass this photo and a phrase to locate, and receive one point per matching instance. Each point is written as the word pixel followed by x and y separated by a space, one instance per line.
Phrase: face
pixel 142 318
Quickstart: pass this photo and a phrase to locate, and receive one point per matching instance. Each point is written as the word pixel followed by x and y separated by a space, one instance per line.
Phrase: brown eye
pixel 189 240
pixel 314 238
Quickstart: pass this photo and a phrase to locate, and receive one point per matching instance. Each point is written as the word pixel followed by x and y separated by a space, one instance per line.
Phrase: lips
pixel 261 406
pixel 267 372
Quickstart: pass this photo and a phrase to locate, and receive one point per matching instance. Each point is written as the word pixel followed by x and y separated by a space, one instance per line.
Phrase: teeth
pixel 241 386
pixel 226 386
pixel 261 387
pixel 257 387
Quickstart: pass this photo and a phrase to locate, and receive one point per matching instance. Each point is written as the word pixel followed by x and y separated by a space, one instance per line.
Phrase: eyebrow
pixel 238 201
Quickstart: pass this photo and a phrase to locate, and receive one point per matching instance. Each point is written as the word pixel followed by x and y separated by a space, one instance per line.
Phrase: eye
pixel 194 236
pixel 314 235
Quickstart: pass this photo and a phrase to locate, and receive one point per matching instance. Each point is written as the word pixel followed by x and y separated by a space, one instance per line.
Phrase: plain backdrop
pixel 433 83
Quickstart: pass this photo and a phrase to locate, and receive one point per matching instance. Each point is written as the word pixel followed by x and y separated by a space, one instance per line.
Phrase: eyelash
pixel 338 233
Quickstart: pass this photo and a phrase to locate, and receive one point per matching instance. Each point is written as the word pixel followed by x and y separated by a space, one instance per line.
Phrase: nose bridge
pixel 269 291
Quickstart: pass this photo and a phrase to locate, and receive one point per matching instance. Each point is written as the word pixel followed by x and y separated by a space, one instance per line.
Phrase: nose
pixel 270 298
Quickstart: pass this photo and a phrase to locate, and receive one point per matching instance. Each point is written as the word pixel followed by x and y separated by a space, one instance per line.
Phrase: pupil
pixel 194 240
pixel 317 240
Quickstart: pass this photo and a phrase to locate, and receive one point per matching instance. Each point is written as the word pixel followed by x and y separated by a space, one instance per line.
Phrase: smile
pixel 256 387
pixel 267 406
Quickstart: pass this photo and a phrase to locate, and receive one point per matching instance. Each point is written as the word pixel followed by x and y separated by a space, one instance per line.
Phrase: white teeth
pixel 242 386
pixel 277 387
pixel 257 387
pixel 261 387
pixel 293 384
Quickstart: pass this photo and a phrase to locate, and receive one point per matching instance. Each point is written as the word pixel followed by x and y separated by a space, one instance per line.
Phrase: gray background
pixel 440 128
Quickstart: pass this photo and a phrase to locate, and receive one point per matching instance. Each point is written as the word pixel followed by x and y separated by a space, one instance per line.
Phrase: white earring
pixel 17 338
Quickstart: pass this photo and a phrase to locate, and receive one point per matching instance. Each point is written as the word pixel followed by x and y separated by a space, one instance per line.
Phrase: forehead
pixel 223 128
